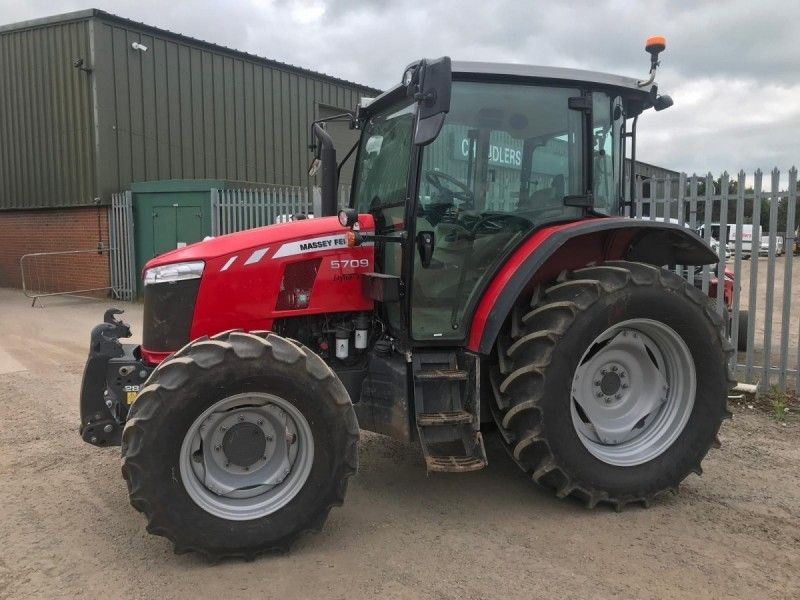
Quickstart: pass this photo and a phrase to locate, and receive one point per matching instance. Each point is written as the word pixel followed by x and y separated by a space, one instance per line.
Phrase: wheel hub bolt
pixel 614 369
pixel 599 394
pixel 624 386
pixel 217 448
pixel 268 437
pixel 241 418
pixel 260 422
pixel 618 396
pixel 597 382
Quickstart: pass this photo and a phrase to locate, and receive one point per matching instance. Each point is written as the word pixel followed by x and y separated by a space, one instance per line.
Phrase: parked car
pixel 763 249
pixel 714 242
pixel 728 288
pixel 729 280
pixel 715 246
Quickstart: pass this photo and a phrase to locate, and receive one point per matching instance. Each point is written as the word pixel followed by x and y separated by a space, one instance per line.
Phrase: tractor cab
pixel 459 166
pixel 461 162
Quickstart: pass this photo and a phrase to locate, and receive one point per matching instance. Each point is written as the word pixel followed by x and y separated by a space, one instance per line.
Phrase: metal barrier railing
pixel 64 273
pixel 246 208
pixel 752 225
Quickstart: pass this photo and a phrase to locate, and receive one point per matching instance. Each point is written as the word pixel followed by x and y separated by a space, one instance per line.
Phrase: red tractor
pixel 481 276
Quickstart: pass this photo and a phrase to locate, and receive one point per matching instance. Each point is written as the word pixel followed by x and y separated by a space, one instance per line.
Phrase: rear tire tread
pixel 553 310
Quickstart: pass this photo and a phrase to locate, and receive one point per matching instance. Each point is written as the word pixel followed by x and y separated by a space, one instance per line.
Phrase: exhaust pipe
pixel 327 157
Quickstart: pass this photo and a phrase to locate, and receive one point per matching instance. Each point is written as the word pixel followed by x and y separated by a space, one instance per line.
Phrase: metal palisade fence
pixel 239 209
pixel 122 257
pixel 751 223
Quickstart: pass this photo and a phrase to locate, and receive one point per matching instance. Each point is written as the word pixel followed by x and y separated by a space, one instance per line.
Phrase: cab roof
pixel 490 70
pixel 637 98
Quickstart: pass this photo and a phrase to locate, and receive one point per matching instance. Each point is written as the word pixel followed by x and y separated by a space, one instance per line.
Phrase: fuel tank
pixel 253 277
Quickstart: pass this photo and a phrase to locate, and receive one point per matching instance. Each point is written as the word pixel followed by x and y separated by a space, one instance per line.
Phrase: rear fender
pixel 551 250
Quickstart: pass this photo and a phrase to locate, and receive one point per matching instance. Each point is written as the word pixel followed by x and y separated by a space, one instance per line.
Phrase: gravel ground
pixel 67 530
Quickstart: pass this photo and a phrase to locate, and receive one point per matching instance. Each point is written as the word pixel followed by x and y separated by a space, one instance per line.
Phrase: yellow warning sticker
pixel 131 397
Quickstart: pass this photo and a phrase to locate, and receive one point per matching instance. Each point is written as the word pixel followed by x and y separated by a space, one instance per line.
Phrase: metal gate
pixel 122 257
pixel 239 209
pixel 753 228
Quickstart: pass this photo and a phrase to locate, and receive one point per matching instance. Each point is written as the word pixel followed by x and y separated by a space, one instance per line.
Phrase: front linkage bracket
pixel 112 371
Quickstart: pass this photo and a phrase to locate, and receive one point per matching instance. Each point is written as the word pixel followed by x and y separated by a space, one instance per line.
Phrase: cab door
pixel 381 185
pixel 505 160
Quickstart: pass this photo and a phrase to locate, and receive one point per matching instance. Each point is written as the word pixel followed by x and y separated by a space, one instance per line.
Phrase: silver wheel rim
pixel 246 456
pixel 633 392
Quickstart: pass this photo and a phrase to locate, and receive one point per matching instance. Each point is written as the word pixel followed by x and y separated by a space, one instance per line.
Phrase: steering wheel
pixel 491 223
pixel 461 192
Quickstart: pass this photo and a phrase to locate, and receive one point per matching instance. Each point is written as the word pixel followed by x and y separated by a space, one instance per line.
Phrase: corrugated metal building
pixel 85 110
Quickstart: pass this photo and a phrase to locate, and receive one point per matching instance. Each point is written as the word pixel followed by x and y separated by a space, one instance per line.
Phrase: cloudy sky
pixel 732 66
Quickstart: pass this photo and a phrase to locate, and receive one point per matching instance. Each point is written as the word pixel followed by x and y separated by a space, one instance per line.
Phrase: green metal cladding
pixel 182 109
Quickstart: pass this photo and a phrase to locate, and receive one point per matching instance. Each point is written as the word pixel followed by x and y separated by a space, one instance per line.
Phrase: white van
pixel 748 232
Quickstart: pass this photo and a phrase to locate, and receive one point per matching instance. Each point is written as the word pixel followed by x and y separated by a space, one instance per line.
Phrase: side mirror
pixel 425 243
pixel 429 83
pixel 662 102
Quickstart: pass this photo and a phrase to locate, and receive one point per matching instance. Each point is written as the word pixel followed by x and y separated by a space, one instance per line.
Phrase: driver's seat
pixel 545 197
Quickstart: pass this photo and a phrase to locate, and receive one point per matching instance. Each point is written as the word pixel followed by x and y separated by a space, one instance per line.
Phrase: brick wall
pixel 54 230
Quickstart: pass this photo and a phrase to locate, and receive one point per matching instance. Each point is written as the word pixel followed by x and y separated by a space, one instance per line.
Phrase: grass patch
pixel 779 405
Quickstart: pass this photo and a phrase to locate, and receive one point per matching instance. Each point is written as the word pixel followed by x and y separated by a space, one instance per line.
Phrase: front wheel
pixel 612 384
pixel 238 444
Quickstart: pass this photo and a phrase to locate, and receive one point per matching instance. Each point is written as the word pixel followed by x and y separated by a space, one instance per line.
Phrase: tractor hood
pixel 261 237
pixel 250 278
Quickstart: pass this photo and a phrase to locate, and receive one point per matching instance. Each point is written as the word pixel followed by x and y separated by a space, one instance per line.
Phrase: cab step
pixel 442 374
pixel 447 408
pixel 452 417
pixel 456 457
pixel 454 464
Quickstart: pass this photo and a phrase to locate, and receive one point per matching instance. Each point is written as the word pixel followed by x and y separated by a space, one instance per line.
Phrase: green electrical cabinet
pixel 171 213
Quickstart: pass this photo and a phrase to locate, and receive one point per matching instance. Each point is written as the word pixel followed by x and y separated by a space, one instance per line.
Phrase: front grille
pixel 168 312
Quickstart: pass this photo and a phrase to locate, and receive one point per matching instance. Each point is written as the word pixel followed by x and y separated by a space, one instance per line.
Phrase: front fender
pixel 551 250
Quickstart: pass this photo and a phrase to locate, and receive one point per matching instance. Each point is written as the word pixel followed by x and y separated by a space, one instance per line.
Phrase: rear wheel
pixel 612 383
pixel 238 444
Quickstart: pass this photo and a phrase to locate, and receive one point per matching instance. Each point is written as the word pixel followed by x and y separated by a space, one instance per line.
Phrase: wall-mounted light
pixel 139 47
pixel 78 63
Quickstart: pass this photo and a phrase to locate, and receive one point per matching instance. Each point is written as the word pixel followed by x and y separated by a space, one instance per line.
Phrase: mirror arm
pixel 329 170
pixel 363 238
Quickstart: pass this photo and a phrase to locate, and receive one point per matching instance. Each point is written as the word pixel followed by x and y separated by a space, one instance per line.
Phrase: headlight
pixel 174 272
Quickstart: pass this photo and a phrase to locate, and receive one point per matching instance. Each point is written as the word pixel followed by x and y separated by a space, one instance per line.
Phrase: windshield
pixel 384 159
